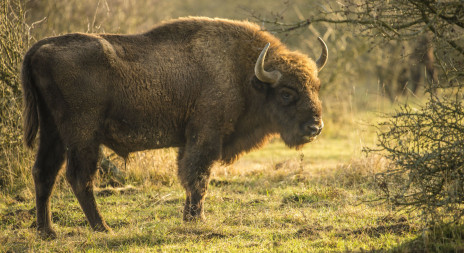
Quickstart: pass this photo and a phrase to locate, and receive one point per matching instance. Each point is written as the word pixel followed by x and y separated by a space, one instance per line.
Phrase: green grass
pixel 322 152
pixel 250 213
pixel 274 199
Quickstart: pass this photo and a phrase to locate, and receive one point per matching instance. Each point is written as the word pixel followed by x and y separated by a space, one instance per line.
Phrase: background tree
pixel 424 144
pixel 420 42
pixel 14 40
pixel 424 24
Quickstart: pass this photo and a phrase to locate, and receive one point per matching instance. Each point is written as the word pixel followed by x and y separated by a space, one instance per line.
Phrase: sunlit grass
pixel 271 210
pixel 274 199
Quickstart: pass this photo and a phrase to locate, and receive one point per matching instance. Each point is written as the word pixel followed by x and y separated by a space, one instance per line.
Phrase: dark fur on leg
pixel 82 165
pixel 194 171
pixel 50 157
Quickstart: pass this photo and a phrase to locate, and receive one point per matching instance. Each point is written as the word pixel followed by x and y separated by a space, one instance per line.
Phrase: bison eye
pixel 287 96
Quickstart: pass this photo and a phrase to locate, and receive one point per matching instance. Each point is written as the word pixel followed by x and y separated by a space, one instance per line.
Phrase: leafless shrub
pixel 426 146
pixel 14 39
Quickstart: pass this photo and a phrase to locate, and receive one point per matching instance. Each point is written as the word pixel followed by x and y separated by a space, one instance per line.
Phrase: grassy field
pixel 275 199
pixel 265 202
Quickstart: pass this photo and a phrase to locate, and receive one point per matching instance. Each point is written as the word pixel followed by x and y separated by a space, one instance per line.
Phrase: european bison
pixel 407 66
pixel 214 88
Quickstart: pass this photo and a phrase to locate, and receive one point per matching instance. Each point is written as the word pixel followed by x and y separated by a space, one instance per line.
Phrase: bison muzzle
pixel 213 88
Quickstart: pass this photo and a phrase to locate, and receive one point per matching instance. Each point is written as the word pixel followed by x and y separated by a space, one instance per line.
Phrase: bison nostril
pixel 313 129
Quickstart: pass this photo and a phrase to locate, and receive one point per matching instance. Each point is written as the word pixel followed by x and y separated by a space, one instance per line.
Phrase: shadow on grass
pixel 157 238
pixel 126 242
pixel 444 238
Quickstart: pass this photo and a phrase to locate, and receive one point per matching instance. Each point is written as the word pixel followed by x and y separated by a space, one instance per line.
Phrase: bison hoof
pixel 194 217
pixel 47 233
pixel 102 228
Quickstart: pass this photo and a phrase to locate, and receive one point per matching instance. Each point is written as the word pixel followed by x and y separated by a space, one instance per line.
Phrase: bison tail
pixel 30 113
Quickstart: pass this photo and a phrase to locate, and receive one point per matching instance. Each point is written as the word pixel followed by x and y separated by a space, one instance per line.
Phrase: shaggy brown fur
pixel 187 83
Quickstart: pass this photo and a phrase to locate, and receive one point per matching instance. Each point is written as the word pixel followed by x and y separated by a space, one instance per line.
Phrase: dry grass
pixel 272 207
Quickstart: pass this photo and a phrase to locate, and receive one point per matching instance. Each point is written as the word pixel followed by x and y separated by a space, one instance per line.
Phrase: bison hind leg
pixel 50 157
pixel 81 168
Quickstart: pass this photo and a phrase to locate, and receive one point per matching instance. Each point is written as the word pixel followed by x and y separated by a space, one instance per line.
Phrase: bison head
pixel 292 94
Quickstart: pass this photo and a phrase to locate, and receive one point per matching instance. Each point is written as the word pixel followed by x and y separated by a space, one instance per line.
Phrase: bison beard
pixel 206 86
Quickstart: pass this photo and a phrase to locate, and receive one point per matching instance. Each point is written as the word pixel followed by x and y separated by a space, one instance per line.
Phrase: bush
pixel 13 43
pixel 426 145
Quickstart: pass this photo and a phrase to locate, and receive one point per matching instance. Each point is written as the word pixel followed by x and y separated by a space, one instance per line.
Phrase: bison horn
pixel 320 63
pixel 263 75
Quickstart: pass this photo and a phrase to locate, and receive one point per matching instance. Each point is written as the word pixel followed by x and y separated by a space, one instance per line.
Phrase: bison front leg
pixel 195 162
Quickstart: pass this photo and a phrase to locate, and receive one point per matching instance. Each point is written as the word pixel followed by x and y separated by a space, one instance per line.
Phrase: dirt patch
pixel 377 231
pixel 219 182
pixel 200 233
pixel 213 235
pixel 387 225
pixel 108 191
pixel 399 226
pixel 313 231
pixel 256 202
pixel 18 217
pixel 174 201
